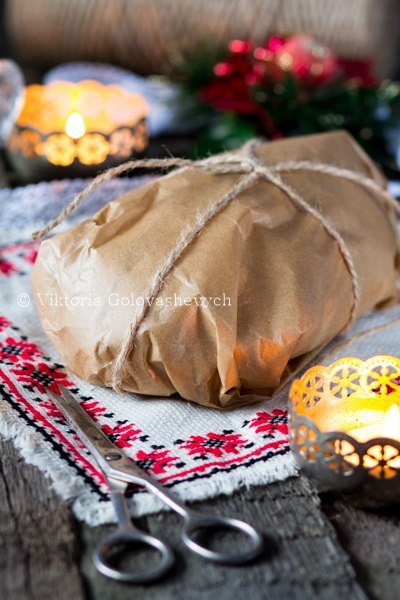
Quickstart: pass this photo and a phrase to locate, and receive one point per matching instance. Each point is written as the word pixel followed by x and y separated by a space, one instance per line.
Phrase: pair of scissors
pixel 120 471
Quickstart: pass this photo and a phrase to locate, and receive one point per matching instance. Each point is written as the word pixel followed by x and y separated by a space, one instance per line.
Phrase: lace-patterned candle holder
pixel 76 129
pixel 345 424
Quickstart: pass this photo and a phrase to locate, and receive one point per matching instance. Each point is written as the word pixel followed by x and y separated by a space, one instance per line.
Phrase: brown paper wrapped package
pixel 284 289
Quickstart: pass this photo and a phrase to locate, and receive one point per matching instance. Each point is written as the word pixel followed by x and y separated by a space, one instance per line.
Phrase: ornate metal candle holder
pixel 344 424
pixel 72 129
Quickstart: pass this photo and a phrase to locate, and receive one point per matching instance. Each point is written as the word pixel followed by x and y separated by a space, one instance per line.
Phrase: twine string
pixel 251 169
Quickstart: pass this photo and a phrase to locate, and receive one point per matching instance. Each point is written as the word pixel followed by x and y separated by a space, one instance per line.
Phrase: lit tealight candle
pixel 360 412
pixel 345 420
pixel 75 126
pixel 388 426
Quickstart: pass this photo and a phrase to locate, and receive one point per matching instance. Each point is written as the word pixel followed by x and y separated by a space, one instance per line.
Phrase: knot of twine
pixel 251 169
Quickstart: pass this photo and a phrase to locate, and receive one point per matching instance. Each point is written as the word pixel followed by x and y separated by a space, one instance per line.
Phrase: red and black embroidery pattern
pixel 214 444
pixel 24 374
pixel 15 351
pixel 18 258
pixel 269 424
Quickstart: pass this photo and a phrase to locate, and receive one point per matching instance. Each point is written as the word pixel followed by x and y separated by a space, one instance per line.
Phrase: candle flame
pixel 75 126
pixel 391 422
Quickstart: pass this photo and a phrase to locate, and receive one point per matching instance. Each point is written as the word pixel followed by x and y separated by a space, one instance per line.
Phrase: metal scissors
pixel 120 471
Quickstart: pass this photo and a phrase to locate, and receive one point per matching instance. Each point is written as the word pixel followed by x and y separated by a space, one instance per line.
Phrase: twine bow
pixel 252 169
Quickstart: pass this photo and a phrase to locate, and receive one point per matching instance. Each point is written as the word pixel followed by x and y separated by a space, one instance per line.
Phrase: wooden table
pixel 317 547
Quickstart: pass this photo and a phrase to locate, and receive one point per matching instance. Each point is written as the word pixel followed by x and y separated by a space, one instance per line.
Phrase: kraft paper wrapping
pixel 288 287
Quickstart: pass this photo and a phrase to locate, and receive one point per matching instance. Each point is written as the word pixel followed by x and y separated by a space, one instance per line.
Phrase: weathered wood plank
pixel 39 542
pixel 372 538
pixel 303 561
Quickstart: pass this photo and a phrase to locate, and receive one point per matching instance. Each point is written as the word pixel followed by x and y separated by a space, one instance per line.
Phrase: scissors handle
pixel 123 540
pixel 197 522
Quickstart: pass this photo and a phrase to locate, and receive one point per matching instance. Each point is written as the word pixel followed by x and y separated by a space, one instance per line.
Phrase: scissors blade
pixel 112 462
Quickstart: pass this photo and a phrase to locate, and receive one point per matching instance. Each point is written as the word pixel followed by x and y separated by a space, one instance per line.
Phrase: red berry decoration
pixel 307 60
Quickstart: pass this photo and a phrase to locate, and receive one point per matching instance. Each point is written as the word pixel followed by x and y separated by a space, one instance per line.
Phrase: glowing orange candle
pixel 84 125
pixel 388 426
pixel 346 419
